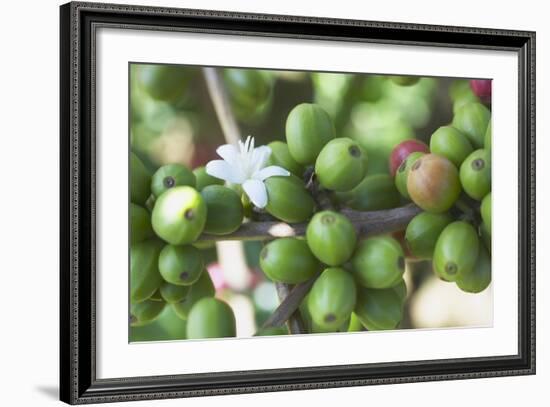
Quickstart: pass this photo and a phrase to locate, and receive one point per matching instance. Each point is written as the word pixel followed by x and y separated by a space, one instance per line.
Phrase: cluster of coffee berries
pixel 451 181
pixel 169 210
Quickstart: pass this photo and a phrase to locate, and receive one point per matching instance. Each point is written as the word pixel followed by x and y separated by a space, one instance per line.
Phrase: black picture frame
pixel 78 382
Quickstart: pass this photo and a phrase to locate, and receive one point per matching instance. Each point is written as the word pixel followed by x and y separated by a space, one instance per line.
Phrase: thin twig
pixel 294 321
pixel 290 304
pixel 220 99
pixel 366 223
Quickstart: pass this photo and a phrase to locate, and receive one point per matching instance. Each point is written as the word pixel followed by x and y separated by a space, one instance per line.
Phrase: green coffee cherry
pixel 288 199
pixel 179 215
pixel 423 232
pixel 379 309
pixel 488 136
pixel 485 234
pixel 211 318
pixel 378 262
pixel 456 251
pixel 486 210
pixel 145 312
pixel 341 164
pixel 145 278
pixel 203 179
pixel 280 155
pixel 374 193
pixel 248 88
pixel 156 296
pixel 475 174
pixel 355 324
pixel 140 181
pixel 140 224
pixel 401 289
pixel 331 237
pixel 288 260
pixel 170 176
pixel 405 80
pixel 201 289
pixel 433 183
pixel 451 144
pixel 480 277
pixel 224 210
pixel 308 129
pixel 172 293
pixel 332 298
pixel 472 119
pixel 180 265
pixel 402 173
pixel 164 82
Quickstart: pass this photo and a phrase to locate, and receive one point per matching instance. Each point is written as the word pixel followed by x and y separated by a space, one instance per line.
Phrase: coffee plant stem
pixel 220 100
pixel 294 321
pixel 366 223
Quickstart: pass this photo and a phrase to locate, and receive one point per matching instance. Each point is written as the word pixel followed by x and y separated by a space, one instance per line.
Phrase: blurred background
pixel 172 120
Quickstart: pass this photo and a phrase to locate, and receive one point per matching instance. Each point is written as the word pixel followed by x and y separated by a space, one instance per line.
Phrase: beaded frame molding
pixel 78 381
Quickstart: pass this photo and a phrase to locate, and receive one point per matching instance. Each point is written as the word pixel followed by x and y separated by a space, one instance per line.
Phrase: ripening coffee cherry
pixel 405 80
pixel 224 210
pixel 378 262
pixel 145 278
pixel 145 312
pixel 179 215
pixel 401 151
pixel 288 199
pixel 402 173
pixel 170 176
pixel 472 120
pixel 332 298
pixel 379 309
pixel 433 183
pixel 201 289
pixel 172 293
pixel 486 210
pixel 341 164
pixel 308 128
pixel 288 260
pixel 450 143
pixel 374 193
pixel 165 82
pixel 331 237
pixel 211 318
pixel 180 265
pixel 475 174
pixel 482 89
pixel 140 224
pixel 480 277
pixel 140 181
pixel 280 155
pixel 248 88
pixel 488 135
pixel 423 232
pixel 203 179
pixel 456 251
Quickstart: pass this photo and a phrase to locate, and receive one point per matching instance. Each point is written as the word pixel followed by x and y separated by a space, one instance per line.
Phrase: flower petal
pixel 271 171
pixel 229 153
pixel 260 157
pixel 222 170
pixel 255 189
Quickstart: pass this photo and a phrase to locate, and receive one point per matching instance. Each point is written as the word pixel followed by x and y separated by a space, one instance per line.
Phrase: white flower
pixel 246 166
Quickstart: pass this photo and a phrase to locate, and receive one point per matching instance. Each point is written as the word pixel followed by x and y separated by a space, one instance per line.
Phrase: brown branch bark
pixel 366 223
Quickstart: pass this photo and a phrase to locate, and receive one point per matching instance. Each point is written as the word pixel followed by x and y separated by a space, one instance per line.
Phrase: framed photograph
pixel 255 203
